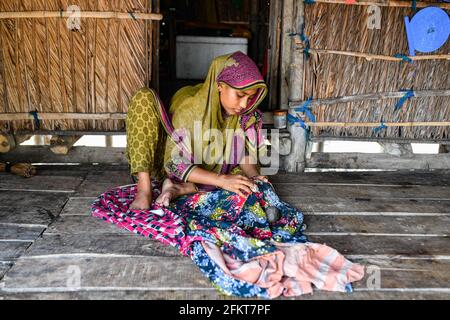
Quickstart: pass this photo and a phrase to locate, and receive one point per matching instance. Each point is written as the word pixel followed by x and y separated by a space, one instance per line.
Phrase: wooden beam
pixel 370 56
pixel 379 161
pixel 8 142
pixel 373 96
pixel 84 155
pixel 82 14
pixel 397 4
pixel 444 148
pixel 379 139
pixel 62 144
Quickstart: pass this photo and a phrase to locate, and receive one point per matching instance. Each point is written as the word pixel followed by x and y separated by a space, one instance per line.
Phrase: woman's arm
pixel 234 183
pixel 249 166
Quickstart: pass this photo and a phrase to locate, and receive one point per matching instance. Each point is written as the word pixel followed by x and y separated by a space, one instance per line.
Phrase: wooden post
pixel 444 148
pixel 397 149
pixel 8 142
pixel 274 53
pixel 295 64
pixel 62 144
pixel 108 141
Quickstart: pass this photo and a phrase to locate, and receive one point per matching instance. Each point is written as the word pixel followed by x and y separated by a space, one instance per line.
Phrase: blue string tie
pixel 37 122
pixel 309 1
pixel 380 128
pixel 409 94
pixel 293 120
pixel 414 5
pixel 403 57
pixel 306 110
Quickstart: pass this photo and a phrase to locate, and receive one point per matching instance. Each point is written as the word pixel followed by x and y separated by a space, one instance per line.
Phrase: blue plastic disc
pixel 428 30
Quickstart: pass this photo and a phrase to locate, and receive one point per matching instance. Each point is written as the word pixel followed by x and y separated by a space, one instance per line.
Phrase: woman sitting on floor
pixel 226 101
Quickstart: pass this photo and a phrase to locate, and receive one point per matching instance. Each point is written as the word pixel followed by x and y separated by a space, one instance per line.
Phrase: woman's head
pixel 235 102
pixel 240 85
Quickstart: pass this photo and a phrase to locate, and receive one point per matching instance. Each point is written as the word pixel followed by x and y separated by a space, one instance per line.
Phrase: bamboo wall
pixel 45 66
pixel 344 28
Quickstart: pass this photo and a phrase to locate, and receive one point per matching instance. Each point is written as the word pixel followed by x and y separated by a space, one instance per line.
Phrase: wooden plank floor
pixel 395 223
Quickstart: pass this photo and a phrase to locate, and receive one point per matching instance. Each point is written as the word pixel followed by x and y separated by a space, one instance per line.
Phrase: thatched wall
pixel 344 28
pixel 45 66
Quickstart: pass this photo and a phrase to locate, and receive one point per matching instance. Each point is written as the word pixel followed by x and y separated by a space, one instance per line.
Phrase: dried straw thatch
pixel 344 28
pixel 45 66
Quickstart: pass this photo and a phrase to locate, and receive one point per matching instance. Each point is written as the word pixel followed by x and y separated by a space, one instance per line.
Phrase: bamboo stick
pixel 62 116
pixel 398 4
pixel 370 56
pixel 377 124
pixel 372 96
pixel 81 14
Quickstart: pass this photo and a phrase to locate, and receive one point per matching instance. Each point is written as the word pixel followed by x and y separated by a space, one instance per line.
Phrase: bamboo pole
pixel 62 116
pixel 398 4
pixel 377 124
pixel 371 96
pixel 81 14
pixel 370 56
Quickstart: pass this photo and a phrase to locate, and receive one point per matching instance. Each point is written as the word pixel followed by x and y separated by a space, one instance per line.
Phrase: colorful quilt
pixel 232 242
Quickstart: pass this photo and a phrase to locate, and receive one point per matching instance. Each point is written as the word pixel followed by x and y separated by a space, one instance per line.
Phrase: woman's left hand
pixel 261 178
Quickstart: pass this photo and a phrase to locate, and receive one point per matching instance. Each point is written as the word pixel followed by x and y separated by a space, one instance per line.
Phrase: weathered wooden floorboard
pixel 379 224
pixel 367 205
pixel 11 250
pixel 404 192
pixel 20 232
pixel 4 267
pixel 95 273
pixel 39 183
pixel 388 245
pixel 35 200
pixel 28 216
pixel 434 178
pixel 213 295
pixel 128 244
pixel 78 206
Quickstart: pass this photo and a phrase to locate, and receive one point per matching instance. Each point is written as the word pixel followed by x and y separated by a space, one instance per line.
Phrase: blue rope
pixel 305 109
pixel 403 57
pixel 380 128
pixel 409 94
pixel 37 122
pixel 293 120
pixel 309 1
pixel 304 39
pixel 414 5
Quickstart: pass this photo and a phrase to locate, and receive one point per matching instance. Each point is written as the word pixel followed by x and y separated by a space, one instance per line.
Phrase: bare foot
pixel 172 190
pixel 143 201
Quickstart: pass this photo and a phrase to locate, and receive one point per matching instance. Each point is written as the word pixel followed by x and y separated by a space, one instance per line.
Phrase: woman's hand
pixel 261 178
pixel 237 184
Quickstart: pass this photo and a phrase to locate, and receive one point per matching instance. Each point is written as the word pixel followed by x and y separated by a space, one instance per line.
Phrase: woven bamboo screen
pixel 343 28
pixel 72 75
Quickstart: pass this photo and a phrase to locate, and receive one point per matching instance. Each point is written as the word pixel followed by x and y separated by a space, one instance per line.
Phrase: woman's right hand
pixel 237 184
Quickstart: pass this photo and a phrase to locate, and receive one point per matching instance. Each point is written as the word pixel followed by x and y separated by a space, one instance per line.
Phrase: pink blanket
pixel 292 269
